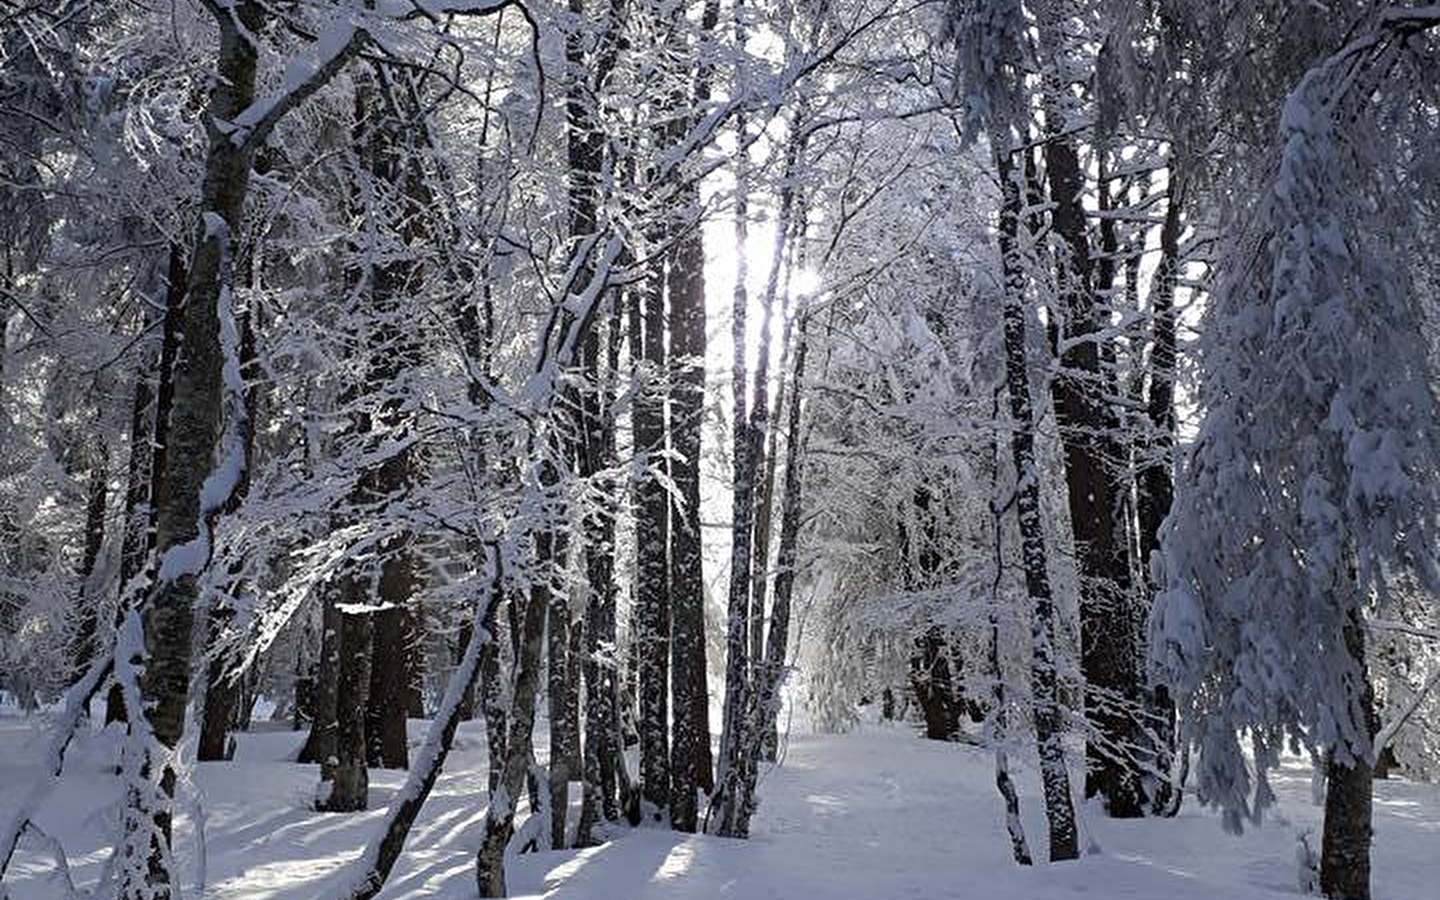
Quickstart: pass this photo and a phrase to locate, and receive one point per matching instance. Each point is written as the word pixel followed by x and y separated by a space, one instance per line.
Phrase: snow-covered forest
pixel 699 448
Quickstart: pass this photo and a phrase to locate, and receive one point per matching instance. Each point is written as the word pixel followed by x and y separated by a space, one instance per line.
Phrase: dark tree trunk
pixel 690 755
pixel 466 711
pixel 740 742
pixel 931 674
pixel 563 686
pixel 344 776
pixel 320 744
pixel 602 760
pixel 194 428
pixel 519 748
pixel 384 851
pixel 1155 489
pixel 97 491
pixel 778 640
pixel 385 714
pixel 222 693
pixel 652 529
pixel 1109 632
pixel 1055 779
pixel 384 138
pixel 934 687
pixel 149 427
pixel 1349 789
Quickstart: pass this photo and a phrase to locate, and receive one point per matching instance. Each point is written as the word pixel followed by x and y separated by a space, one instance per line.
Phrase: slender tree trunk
pixel 1055 779
pixel 96 494
pixel 149 428
pixel 562 688
pixel 1156 486
pixel 519 748
pixel 221 695
pixel 467 701
pixel 777 642
pixel 740 740
pixel 222 690
pixel 652 529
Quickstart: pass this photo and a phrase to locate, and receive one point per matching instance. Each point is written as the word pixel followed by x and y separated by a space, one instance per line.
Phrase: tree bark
pixel 96 494
pixel 385 713
pixel 690 757
pixel 1109 627
pixel 1155 490
pixel 777 642
pixel 194 428
pixel 320 743
pixel 1349 789
pixel 519 749
pixel 652 529
pixel 344 776
pixel 149 428
pixel 1055 779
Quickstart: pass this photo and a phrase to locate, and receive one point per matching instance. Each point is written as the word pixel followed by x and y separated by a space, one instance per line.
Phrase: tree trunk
pixel 344 777
pixel 602 761
pixel 739 740
pixel 149 428
pixel 519 748
pixel 1109 632
pixel 690 759
pixel 1055 779
pixel 931 673
pixel 467 700
pixel 777 642
pixel 385 713
pixel 1349 788
pixel 1155 489
pixel 194 428
pixel 222 693
pixel 320 743
pixel 563 689
pixel 97 491
pixel 930 676
pixel 652 529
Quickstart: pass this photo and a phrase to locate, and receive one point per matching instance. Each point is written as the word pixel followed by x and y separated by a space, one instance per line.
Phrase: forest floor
pixel 878 814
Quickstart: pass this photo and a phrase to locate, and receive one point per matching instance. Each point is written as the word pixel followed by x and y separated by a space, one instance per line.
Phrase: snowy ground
pixel 877 815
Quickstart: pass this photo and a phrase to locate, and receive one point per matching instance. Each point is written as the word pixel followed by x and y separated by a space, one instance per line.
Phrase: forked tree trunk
pixel 1109 629
pixel 519 748
pixel 778 641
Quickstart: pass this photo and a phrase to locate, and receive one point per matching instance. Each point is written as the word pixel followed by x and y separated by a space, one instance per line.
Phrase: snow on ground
pixel 874 815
